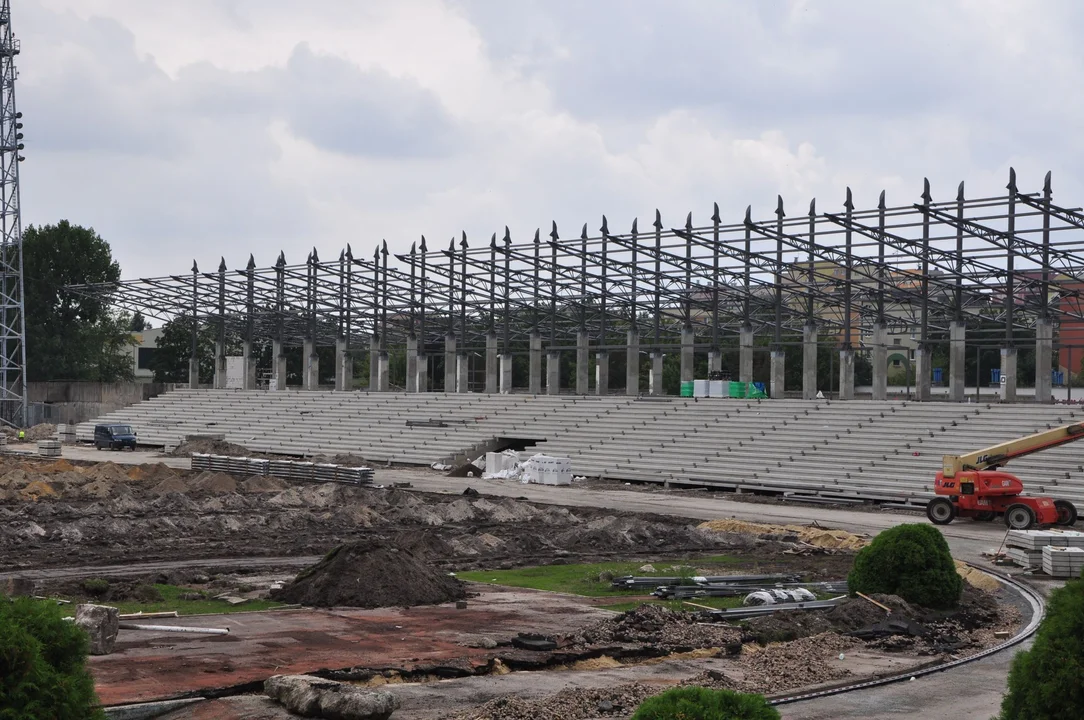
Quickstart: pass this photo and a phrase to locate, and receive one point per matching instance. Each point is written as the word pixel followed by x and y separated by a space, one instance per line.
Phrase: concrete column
pixel 423 370
pixel 602 373
pixel 654 381
pixel 344 367
pixel 193 373
pixel 383 372
pixel 922 374
pixel 248 365
pixel 534 380
pixel 1044 347
pixel 553 373
pixel 846 374
pixel 745 355
pixel 688 354
pixel 715 361
pixel 880 362
pixel 450 367
pixel 493 370
pixel 278 366
pixel 809 361
pixel 1008 374
pixel 310 376
pixel 412 365
pixel 632 363
pixel 583 360
pixel 957 353
pixel 462 372
pixel 778 370
pixel 374 364
pixel 220 366
pixel 506 373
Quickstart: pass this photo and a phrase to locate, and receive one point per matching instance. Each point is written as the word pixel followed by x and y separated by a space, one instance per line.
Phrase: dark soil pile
pixel 370 574
pixel 657 626
pixel 568 704
pixel 210 447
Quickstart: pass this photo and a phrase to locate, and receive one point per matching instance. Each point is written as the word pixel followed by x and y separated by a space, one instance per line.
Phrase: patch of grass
pixel 171 600
pixel 584 579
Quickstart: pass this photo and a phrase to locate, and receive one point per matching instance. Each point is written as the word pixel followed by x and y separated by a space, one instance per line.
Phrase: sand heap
pixel 809 534
pixel 370 574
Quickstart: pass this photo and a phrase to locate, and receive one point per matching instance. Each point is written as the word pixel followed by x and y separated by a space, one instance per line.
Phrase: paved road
pixel 970 693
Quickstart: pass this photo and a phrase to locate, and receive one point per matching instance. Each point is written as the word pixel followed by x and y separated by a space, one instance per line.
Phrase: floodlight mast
pixel 13 405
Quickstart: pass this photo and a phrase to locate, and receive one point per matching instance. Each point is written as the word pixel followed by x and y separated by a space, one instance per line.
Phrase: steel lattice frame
pixel 1010 259
pixel 12 328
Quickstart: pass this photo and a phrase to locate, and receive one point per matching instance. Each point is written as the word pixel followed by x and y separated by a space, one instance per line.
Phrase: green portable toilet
pixel 737 389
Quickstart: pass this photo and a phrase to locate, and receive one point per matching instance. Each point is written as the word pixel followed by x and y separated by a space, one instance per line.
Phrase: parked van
pixel 114 437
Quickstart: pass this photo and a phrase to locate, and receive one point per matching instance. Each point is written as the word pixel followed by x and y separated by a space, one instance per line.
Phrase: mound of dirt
pixel 568 704
pixel 213 483
pixel 369 574
pixel 37 490
pixel 261 484
pixel 856 613
pixel 44 431
pixel 659 626
pixel 210 447
pixel 170 485
pixel 105 471
pixel 344 459
pixel 57 466
pixel 783 666
pixel 811 535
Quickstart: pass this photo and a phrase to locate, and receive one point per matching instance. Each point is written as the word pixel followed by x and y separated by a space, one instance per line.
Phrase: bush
pixel 42 671
pixel 96 586
pixel 911 561
pixel 697 703
pixel 1045 681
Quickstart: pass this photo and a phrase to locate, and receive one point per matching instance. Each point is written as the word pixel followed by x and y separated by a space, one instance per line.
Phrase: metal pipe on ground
pixel 174 628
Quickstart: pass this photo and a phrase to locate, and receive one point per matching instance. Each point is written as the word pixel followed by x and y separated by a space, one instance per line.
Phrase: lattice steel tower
pixel 12 327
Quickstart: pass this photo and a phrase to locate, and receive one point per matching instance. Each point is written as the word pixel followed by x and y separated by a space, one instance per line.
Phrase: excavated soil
pixel 370 574
pixel 208 446
pixel 659 627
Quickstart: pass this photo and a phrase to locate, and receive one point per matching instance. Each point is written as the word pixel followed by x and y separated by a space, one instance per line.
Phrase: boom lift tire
pixel 940 511
pixel 1066 512
pixel 1019 517
pixel 985 516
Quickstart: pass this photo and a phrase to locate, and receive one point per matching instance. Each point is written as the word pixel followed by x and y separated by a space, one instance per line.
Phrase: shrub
pixel 96 586
pixel 697 703
pixel 911 561
pixel 42 671
pixel 1045 681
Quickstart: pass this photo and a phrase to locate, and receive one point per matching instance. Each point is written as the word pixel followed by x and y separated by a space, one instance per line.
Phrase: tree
pixel 912 561
pixel 70 336
pixel 42 664
pixel 697 703
pixel 138 323
pixel 1044 682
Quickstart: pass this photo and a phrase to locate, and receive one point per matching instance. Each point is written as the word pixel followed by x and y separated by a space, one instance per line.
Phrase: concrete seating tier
pixel 858 450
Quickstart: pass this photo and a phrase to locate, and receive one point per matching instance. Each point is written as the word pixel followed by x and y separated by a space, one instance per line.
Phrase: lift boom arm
pixel 998 455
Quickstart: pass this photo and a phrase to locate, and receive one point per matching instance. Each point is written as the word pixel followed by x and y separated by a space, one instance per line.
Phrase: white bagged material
pixel 548 470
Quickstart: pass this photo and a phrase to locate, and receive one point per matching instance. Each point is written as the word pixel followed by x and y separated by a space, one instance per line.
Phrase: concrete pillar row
pixel 248 366
pixel 423 370
pixel 957 356
pixel 602 373
pixel 278 365
pixel 534 380
pixel 688 354
pixel 553 372
pixel 412 365
pixel 745 355
pixel 220 366
pixel 311 361
pixel 846 374
pixel 344 367
pixel 809 361
pixel 450 365
pixel 462 372
pixel 374 364
pixel 583 361
pixel 880 362
pixel 506 373
pixel 632 363
pixel 1008 374
pixel 715 361
pixel 1044 349
pixel 493 370
pixel 922 373
pixel 654 381
pixel 778 374
pixel 193 373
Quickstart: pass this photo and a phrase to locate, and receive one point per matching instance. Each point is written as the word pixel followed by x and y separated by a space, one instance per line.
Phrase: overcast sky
pixel 190 130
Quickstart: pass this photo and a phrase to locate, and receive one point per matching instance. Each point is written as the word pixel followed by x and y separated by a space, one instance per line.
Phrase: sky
pixel 219 128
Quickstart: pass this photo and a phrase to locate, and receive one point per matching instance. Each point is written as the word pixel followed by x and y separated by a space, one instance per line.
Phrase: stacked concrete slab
pixel 861 450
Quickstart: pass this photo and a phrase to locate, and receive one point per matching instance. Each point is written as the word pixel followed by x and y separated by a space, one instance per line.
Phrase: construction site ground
pixel 122 528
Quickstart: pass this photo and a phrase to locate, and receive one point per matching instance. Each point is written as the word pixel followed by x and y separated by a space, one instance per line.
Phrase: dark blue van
pixel 114 437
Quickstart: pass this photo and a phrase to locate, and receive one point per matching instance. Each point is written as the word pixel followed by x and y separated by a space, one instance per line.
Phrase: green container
pixel 687 388
pixel 737 389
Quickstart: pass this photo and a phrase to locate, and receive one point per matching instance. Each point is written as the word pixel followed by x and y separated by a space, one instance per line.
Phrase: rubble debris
pixel 809 534
pixel 568 704
pixel 371 574
pixel 799 663
pixel 43 431
pixel 102 624
pixel 658 626
pixel 314 697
